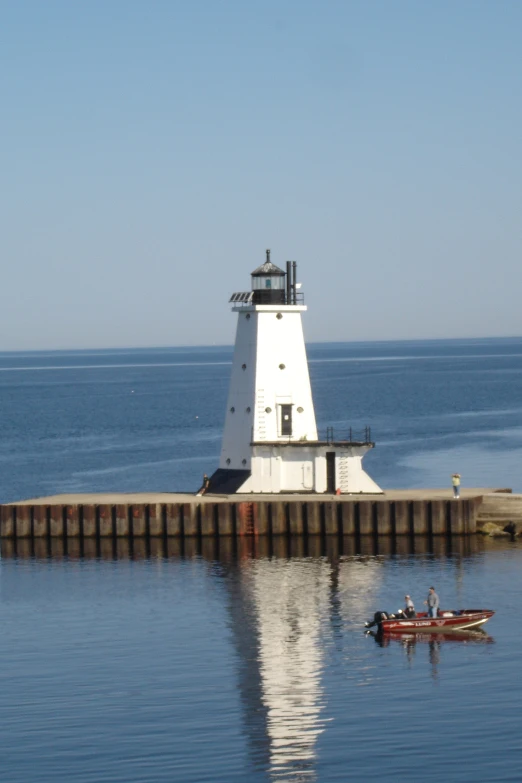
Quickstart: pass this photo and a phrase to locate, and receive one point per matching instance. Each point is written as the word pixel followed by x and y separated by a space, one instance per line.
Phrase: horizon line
pixel 165 347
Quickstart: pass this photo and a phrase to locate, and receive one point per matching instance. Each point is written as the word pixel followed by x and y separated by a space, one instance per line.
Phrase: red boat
pixel 454 620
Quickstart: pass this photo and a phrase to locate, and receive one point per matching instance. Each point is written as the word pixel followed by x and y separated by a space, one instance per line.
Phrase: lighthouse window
pixel 282 366
pixel 243 366
pixel 228 461
pixel 248 410
pixel 279 316
pixel 268 283
pixel 286 419
pixel 232 410
pixel 268 410
pixel 243 461
pixel 300 410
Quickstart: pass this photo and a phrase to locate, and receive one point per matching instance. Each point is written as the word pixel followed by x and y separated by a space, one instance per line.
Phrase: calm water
pixel 223 666
pixel 209 663
pixel 152 420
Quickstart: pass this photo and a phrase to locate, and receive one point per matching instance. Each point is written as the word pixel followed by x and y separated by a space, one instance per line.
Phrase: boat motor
pixel 378 617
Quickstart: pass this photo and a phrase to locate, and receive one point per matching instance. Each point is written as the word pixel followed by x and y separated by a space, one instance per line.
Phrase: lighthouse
pixel 270 439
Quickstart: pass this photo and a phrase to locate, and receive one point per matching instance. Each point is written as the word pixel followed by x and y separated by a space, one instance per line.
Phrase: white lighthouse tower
pixel 270 441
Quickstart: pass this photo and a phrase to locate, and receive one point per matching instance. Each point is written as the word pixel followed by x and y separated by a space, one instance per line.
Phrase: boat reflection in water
pixel 383 640
pixel 409 642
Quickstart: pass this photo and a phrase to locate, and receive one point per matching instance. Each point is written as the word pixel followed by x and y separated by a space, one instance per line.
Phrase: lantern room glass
pixel 268 282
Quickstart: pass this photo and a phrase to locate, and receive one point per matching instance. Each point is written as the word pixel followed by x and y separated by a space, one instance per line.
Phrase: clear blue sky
pixel 152 150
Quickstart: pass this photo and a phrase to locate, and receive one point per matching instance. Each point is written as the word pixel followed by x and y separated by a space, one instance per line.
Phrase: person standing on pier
pixel 455 480
pixel 204 487
pixel 433 602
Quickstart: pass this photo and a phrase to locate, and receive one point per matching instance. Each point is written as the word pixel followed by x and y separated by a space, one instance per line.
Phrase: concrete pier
pixel 151 515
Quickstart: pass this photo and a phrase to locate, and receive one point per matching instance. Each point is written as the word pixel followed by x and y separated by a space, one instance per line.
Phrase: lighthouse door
pixel 330 472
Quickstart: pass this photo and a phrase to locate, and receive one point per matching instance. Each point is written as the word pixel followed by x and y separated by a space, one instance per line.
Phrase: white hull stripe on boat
pixel 473 624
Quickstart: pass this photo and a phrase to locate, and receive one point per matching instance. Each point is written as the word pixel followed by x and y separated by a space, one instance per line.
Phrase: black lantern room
pixel 268 283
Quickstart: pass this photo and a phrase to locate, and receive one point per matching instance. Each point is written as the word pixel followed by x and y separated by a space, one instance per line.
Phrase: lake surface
pixel 217 661
pixel 218 665
pixel 152 419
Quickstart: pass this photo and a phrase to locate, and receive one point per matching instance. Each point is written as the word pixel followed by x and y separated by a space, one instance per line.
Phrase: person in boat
pixel 409 609
pixel 433 602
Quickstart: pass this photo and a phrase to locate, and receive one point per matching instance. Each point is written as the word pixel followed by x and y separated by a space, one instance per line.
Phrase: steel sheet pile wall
pixel 265 518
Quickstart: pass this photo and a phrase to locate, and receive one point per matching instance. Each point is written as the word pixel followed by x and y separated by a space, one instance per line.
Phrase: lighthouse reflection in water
pixel 281 613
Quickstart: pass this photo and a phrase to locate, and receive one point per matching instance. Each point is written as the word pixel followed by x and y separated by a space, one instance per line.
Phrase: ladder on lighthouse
pixel 261 422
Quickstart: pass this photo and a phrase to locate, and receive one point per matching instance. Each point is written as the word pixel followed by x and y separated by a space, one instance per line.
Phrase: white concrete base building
pixel 270 441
